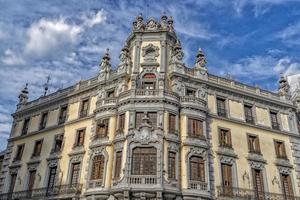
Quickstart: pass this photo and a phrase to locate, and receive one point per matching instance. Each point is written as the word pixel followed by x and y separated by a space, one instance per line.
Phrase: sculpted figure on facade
pixel 178 87
pixel 105 66
pixel 164 21
pixel 125 59
pixel 170 24
pixel 200 59
pixel 23 97
pixel 138 24
pixel 284 87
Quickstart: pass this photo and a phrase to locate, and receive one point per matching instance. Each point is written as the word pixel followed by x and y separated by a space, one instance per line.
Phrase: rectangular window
pixel 75 173
pixel 190 92
pixel 25 126
pixel 221 108
pixel 52 177
pixel 195 128
pixel 31 179
pixel 197 169
pixel 280 149
pixel 80 138
pixel 19 153
pixel 43 121
pixel 37 148
pixel 58 141
pixel 121 122
pixel 138 118
pixel 148 85
pixel 274 120
pixel 225 137
pixel 253 143
pixel 102 129
pixel 12 184
pixel 172 165
pixel 111 93
pixel 152 118
pixel 63 114
pixel 227 179
pixel 118 164
pixel 258 184
pixel 249 114
pixel 287 187
pixel 84 108
pixel 144 161
pixel 172 123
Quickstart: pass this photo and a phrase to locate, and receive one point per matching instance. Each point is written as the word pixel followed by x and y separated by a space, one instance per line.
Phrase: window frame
pixel 256 145
pixel 274 125
pixel 62 119
pixel 249 119
pixel 277 150
pixel 174 129
pixel 228 142
pixel 192 132
pixel 101 168
pixel 221 112
pixel 35 153
pixel 138 161
pixel 43 120
pixel 82 112
pixel 99 132
pixel 26 122
pixel 118 164
pixel 77 138
pixel 18 156
pixel 172 172
pixel 201 175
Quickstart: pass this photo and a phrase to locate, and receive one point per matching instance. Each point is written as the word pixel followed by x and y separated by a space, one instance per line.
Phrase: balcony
pixel 198 185
pixel 190 101
pixel 142 180
pixel 45 193
pixel 248 194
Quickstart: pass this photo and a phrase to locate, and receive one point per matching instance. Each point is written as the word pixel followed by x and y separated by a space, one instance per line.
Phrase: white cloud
pixel 92 19
pixel 48 36
pixel 10 58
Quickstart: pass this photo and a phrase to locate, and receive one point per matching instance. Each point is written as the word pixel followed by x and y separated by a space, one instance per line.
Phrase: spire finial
pixel 23 97
pixel 200 59
pixel 47 85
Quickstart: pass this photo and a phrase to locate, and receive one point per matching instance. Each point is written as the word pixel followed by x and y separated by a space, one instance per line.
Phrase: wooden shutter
pixel 75 173
pixel 152 118
pixel 97 167
pixel 287 186
pixel 172 123
pixel 80 137
pixel 227 179
pixel 121 122
pixel 172 165
pixel 13 179
pixel 197 169
pixel 52 177
pixel 258 183
pixel 138 119
pixel 257 146
pixel 118 164
pixel 144 161
pixel 31 180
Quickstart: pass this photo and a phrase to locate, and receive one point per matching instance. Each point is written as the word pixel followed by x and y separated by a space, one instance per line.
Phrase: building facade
pixel 152 128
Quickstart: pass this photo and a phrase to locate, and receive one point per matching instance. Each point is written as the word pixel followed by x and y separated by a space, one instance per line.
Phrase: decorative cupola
pixel 23 97
pixel 284 88
pixel 200 69
pixel 105 66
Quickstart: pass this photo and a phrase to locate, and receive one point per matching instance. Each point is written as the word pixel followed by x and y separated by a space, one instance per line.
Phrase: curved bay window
pixel 144 161
pixel 197 169
pixel 97 168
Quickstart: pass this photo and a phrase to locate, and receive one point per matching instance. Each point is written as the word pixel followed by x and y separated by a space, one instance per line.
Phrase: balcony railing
pixel 241 193
pixel 146 180
pixel 42 193
pixel 198 185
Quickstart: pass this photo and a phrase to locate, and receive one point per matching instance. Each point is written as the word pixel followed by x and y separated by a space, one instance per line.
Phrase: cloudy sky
pixel 253 41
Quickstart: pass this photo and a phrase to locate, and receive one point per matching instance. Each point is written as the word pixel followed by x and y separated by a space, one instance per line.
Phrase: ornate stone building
pixel 153 128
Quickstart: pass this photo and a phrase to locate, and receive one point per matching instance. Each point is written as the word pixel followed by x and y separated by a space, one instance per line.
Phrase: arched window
pixel 144 161
pixel 97 167
pixel 197 169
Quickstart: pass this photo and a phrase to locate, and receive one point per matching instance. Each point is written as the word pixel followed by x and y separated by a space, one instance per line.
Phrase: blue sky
pixel 253 41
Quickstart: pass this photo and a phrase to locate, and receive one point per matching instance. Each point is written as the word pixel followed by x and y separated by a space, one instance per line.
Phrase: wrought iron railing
pixel 241 193
pixel 41 193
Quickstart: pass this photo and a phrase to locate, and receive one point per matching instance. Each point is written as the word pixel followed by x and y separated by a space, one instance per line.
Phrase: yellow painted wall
pixel 262 116
pixel 240 146
pixel 284 122
pixel 73 111
pixel 93 101
pixel 34 123
pixel 236 110
pixel 211 104
pixel 52 117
